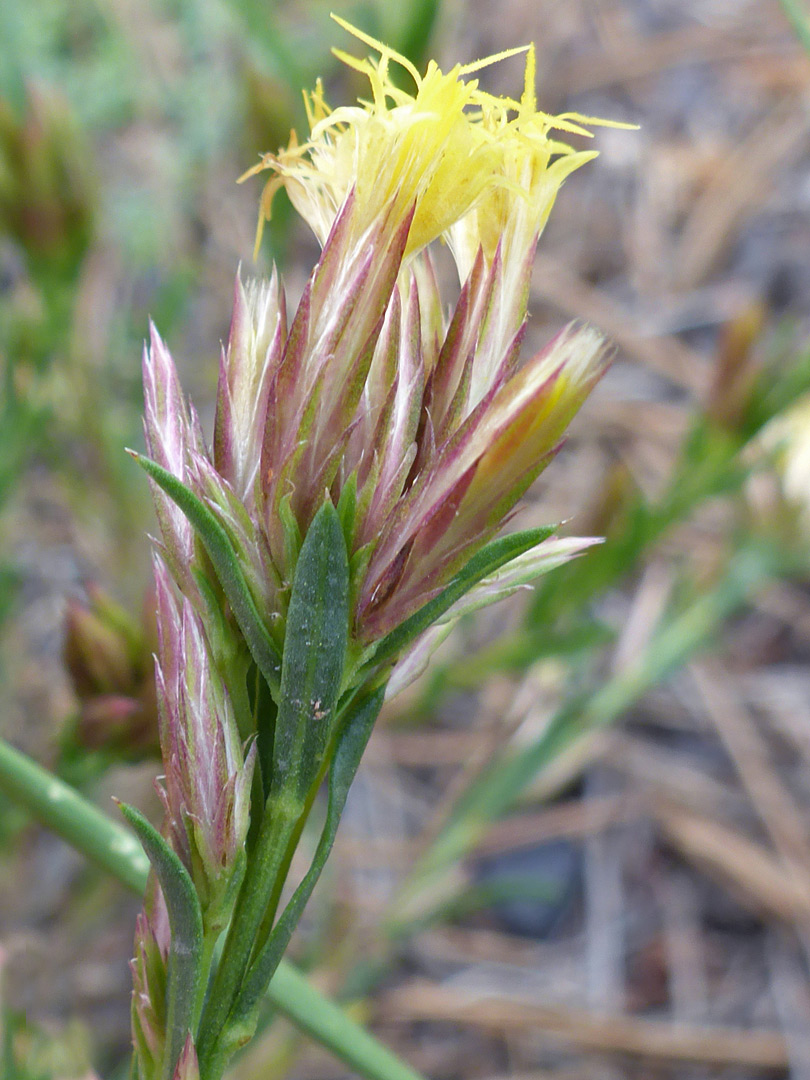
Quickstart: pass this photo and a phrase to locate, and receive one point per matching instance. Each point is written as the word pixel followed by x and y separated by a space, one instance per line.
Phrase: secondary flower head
pixel 787 438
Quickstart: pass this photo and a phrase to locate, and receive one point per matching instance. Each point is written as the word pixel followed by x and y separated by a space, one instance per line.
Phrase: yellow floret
pixel 449 148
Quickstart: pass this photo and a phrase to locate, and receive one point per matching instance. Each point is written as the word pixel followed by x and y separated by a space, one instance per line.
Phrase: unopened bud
pixel 108 656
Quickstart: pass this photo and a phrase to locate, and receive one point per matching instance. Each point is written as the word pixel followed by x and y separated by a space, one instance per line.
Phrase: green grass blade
pixel 115 849
pixel 331 1027
pixel 501 785
pixel 799 18
pixel 59 807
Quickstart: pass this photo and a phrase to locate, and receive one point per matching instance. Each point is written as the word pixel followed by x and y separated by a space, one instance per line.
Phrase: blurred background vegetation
pixel 580 845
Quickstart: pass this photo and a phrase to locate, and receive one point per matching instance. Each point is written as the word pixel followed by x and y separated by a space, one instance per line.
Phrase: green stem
pixel 269 917
pixel 294 837
pixel 113 847
pixel 266 927
pixel 257 889
pixel 209 947
pixel 59 807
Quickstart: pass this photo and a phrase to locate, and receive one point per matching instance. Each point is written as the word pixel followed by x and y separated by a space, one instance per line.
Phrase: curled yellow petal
pixel 451 150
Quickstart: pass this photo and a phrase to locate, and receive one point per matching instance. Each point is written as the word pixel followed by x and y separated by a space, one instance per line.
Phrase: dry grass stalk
pixel 632 1035
pixel 557 285
pixel 735 189
pixel 756 876
pixel 784 819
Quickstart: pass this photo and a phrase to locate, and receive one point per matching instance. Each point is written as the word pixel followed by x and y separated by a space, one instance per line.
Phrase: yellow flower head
pixel 447 149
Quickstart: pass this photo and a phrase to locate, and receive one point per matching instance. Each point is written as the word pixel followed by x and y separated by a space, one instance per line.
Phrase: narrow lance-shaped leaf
pixel 672 643
pixel 519 573
pixel 186 924
pixel 226 564
pixel 489 559
pixel 348 750
pixel 314 655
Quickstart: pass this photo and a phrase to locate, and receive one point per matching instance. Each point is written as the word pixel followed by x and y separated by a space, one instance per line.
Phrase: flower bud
pixel 149 968
pixel 429 428
pixel 108 656
pixel 206 787
pixel 46 187
pixel 187 1067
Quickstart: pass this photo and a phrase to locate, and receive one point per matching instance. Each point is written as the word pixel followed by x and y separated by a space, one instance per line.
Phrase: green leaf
pixel 226 563
pixel 347 509
pixel 350 743
pixel 315 645
pixel 485 562
pixel 314 656
pixel 186 924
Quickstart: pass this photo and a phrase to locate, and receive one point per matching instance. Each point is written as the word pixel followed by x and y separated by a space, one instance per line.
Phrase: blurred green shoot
pixel 680 635
pixel 31 1052
pixel 799 18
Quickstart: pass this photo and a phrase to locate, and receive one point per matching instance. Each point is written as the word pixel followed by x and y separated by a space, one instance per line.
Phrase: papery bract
pixel 149 975
pixel 206 788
